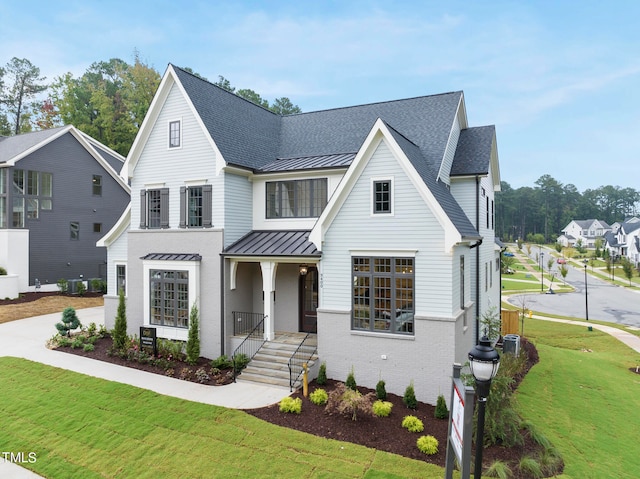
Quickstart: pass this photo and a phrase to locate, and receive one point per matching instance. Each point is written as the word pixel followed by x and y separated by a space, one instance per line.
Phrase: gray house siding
pixel 53 254
pixel 237 207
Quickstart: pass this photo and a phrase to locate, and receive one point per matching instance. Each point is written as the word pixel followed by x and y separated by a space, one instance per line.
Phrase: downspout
pixel 223 338
pixel 478 261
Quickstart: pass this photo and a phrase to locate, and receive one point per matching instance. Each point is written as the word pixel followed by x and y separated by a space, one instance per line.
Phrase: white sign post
pixel 460 426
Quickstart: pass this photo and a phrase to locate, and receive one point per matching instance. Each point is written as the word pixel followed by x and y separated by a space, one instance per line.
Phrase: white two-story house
pixel 369 227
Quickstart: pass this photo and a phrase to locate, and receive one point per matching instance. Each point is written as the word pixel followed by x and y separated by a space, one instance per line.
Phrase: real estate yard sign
pixel 460 426
pixel 148 339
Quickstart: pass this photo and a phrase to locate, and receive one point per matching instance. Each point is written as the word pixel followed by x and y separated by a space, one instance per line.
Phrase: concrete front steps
pixel 270 365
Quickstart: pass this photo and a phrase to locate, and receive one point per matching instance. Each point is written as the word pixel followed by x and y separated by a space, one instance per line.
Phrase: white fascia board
pixel 116 231
pixel 495 164
pixel 37 146
pixel 461 116
pixel 378 132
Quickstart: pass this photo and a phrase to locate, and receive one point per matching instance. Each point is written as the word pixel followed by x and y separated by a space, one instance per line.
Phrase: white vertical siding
pixel 158 164
pixel 411 227
pixel 450 151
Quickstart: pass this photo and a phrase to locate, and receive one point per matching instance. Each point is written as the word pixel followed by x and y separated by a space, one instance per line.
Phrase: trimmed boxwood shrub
pixel 382 408
pixel 428 445
pixel 319 397
pixel 291 405
pixel 412 424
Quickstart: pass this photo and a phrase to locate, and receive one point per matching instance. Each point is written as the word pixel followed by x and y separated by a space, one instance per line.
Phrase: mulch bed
pixel 33 296
pixel 385 434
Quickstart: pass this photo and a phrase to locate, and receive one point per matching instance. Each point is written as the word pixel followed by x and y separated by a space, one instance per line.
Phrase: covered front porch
pixel 271 276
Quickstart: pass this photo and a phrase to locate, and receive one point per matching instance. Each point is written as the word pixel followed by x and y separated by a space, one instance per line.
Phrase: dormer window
pixel 382 193
pixel 296 198
pixel 175 134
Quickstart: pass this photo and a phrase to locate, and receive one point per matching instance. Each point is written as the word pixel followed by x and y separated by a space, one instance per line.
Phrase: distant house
pixel 368 230
pixel 624 240
pixel 59 193
pixel 584 231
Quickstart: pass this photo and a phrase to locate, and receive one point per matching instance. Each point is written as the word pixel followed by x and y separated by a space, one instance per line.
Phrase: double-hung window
pixel 383 294
pixel 154 208
pixel 175 134
pixel 196 206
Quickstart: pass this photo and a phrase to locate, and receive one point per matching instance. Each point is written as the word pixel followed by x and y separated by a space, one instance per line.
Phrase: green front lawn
pixel 82 427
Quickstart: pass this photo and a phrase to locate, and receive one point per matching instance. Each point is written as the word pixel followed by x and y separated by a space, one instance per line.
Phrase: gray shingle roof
pixel 15 145
pixel 273 243
pixel 473 153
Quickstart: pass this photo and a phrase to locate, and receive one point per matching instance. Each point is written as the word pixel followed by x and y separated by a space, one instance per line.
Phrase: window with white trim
pixel 175 134
pixel 169 298
pixel 382 196
pixel 296 198
pixel 154 208
pixel 121 278
pixel 383 294
pixel 196 206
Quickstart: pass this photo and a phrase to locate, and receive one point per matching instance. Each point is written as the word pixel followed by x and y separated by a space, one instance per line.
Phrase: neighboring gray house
pixel 59 193
pixel 368 228
pixel 585 231
pixel 624 240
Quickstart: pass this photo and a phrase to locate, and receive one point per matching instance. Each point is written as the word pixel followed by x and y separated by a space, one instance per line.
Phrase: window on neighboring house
pixel 18 213
pixel 33 188
pixel 97 227
pixel 488 213
pixel 121 278
pixel 154 208
pixel 169 298
pixel 493 215
pixel 486 276
pixel 383 294
pixel 175 137
pixel 196 206
pixel 462 282
pixel 97 185
pixel 3 198
pixel 296 198
pixel 46 191
pixel 74 230
pixel 32 208
pixel 382 196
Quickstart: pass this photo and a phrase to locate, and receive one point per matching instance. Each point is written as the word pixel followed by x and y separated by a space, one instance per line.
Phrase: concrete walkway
pixel 26 338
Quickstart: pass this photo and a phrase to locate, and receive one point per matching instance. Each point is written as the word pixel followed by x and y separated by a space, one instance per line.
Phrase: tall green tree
pixel 119 333
pixel 19 88
pixel 193 340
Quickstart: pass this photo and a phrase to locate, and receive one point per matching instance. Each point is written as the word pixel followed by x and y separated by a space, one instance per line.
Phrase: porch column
pixel 268 292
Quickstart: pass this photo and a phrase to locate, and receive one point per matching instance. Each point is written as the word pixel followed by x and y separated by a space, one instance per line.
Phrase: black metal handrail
pixel 244 322
pixel 298 359
pixel 248 348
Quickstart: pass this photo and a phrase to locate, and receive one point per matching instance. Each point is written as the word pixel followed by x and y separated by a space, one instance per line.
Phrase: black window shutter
pixel 164 207
pixel 207 206
pixel 143 209
pixel 183 207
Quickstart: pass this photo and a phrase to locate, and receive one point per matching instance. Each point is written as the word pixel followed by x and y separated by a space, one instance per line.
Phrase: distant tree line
pixel 108 102
pixel 538 214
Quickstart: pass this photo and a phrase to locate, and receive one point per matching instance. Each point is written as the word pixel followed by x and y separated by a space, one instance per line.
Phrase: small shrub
pixel 3 272
pixel 291 405
pixel 92 329
pixel 193 341
pixel 172 350
pixel 119 333
pixel 240 362
pixel 77 342
pixel 351 381
pixel 64 341
pixel 170 372
pixel 381 391
pixel 63 285
pixel 441 408
pixel 319 397
pixel 382 408
pixel 409 398
pixel 321 380
pixel 498 469
pixel 81 289
pixel 202 376
pixel 349 402
pixel 428 445
pixel 221 362
pixel 530 467
pixel 185 373
pixel 88 348
pixel 69 321
pixel 412 424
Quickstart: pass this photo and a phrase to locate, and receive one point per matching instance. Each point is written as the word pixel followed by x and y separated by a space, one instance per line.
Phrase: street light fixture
pixel 542 272
pixel 484 362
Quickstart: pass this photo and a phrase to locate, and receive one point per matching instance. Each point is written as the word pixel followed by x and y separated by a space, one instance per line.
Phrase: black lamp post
pixel 541 272
pixel 586 293
pixel 484 362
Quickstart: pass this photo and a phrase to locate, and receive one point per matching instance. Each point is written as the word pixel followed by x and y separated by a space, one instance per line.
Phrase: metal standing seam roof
pixel 273 243
pixel 309 163
pixel 172 257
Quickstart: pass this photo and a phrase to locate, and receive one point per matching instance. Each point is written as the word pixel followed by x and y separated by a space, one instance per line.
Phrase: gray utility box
pixel 511 344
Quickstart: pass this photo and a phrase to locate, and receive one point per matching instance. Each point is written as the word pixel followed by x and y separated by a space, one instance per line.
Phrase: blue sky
pixel 559 79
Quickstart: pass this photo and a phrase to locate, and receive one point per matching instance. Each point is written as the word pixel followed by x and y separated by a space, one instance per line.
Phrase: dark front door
pixel 309 301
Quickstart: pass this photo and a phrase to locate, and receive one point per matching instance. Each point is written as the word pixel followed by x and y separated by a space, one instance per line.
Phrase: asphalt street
pixel 603 301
